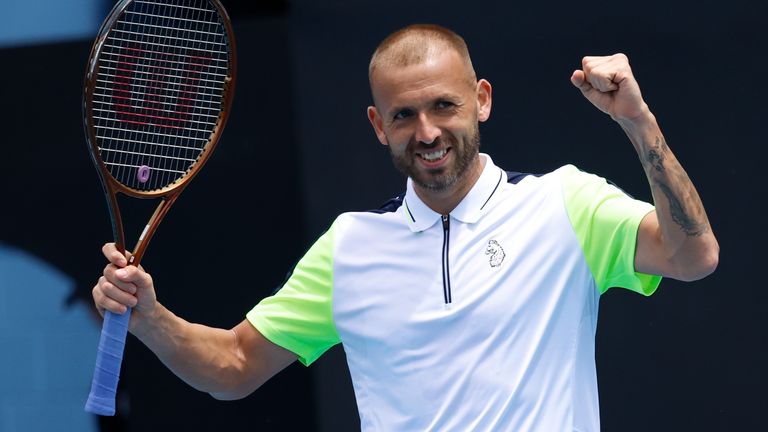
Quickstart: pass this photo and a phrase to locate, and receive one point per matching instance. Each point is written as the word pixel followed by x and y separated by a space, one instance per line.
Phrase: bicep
pixel 650 255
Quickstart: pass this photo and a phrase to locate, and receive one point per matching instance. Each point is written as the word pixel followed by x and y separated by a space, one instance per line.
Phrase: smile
pixel 433 156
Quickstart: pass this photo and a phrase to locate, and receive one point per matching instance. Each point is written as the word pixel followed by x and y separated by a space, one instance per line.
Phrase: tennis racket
pixel 158 90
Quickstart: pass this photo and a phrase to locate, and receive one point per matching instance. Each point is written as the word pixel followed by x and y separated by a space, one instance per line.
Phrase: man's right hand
pixel 228 364
pixel 123 286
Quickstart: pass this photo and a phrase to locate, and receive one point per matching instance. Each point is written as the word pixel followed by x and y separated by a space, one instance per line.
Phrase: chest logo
pixel 496 253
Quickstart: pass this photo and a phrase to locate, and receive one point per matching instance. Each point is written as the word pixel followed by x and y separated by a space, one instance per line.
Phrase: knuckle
pixel 112 306
pixel 107 288
pixel 622 58
pixel 131 274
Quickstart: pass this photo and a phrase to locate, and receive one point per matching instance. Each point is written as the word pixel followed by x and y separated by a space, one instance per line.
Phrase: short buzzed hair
pixel 415 44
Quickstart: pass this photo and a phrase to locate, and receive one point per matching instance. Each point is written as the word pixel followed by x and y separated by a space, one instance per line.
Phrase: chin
pixel 436 183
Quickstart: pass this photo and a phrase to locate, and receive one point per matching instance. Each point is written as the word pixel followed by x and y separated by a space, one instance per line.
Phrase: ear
pixel 484 100
pixel 376 121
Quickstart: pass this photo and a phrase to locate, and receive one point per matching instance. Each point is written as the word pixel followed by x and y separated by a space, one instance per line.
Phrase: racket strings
pixel 158 93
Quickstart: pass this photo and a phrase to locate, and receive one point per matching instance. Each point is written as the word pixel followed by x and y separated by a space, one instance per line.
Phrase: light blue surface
pixel 47 349
pixel 26 22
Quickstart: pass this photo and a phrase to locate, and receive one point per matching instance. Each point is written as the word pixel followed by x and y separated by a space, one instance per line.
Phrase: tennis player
pixel 470 302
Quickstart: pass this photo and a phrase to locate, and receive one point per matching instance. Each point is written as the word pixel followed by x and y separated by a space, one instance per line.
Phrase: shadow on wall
pixel 48 348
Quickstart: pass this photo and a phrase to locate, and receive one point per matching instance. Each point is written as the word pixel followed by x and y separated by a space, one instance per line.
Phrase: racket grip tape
pixel 109 357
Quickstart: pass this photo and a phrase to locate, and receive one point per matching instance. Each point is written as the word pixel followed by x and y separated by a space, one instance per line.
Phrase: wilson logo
pixel 159 88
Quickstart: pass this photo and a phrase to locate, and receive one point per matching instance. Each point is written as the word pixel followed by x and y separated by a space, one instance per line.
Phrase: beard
pixel 443 178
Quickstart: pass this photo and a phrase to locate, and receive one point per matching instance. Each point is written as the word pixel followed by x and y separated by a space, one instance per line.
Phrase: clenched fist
pixel 609 84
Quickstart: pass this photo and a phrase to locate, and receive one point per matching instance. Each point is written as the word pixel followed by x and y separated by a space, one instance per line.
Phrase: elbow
pixel 710 261
pixel 231 383
pixel 701 270
pixel 226 396
pixel 234 392
pixel 226 393
pixel 703 266
pixel 237 385
pixel 713 259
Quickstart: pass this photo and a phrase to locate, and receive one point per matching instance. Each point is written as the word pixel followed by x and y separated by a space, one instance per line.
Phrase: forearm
pixel 684 230
pixel 206 358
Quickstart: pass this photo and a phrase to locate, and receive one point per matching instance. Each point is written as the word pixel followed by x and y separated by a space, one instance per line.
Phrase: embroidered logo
pixel 496 253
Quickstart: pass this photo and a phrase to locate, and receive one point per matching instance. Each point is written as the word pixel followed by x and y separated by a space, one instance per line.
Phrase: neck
pixel 444 201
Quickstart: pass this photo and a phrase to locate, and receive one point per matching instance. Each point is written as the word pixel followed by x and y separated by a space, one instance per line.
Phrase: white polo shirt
pixel 483 320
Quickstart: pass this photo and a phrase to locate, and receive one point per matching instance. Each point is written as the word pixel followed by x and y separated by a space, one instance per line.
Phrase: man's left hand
pixel 608 83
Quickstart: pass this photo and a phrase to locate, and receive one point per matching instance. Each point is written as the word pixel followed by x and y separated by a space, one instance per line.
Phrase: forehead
pixel 441 74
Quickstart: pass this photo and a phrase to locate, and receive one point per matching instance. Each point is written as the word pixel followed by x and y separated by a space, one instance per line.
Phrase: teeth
pixel 434 155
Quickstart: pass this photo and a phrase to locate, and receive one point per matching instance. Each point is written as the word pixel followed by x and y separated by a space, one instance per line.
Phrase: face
pixel 428 115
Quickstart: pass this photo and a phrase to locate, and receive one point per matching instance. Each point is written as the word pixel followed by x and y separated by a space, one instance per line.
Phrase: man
pixel 470 302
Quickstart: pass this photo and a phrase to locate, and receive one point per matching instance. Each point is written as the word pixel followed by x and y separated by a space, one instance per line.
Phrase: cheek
pixel 398 147
pixel 398 140
pixel 468 128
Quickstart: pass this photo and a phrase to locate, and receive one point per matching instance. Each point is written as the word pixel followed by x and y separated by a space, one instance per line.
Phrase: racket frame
pixel 169 193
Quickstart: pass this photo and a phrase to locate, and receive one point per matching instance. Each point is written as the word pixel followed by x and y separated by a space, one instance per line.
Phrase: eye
pixel 443 104
pixel 402 114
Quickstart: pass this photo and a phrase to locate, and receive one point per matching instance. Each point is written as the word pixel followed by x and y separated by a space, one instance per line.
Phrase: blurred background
pixel 298 150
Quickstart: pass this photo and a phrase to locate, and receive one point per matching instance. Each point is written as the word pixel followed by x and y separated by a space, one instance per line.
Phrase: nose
pixel 426 131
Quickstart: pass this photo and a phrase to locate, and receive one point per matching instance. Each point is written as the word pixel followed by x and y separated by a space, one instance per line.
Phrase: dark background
pixel 298 150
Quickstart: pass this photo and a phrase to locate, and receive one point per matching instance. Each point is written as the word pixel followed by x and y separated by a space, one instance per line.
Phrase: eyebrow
pixel 455 99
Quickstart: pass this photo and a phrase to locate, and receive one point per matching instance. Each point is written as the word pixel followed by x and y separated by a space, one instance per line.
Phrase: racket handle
pixel 109 356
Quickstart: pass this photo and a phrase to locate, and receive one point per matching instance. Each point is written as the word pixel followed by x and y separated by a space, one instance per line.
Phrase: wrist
pixel 144 322
pixel 643 120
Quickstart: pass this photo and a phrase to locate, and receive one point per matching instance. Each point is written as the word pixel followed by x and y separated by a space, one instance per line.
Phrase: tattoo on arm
pixel 676 208
pixel 656 157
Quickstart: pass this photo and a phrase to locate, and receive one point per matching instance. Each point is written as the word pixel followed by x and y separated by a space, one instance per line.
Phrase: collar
pixel 420 217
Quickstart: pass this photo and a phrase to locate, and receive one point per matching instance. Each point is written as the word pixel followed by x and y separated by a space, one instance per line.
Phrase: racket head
pixel 158 90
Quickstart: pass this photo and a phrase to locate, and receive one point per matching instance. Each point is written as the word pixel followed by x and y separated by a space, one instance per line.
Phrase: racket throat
pixel 149 229
pixel 132 259
pixel 144 233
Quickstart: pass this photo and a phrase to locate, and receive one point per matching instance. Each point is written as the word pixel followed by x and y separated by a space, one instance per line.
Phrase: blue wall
pixel 48 348
pixel 25 22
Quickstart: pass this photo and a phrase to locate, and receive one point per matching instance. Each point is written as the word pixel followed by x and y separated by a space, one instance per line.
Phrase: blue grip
pixel 101 401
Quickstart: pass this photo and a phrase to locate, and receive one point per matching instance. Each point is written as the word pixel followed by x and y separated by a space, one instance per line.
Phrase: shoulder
pixel 556 176
pixel 390 205
pixel 567 177
pixel 386 216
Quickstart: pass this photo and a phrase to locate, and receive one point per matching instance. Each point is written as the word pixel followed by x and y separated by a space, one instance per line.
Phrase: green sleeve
pixel 606 221
pixel 299 316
